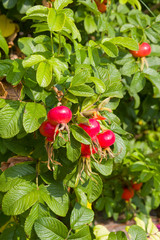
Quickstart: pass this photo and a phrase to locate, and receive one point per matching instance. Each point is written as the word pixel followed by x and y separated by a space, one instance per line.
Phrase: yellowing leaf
pixel 7 27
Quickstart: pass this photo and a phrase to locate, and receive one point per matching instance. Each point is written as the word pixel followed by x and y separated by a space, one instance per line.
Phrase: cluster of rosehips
pixel 104 139
pixel 101 5
pixel 58 118
pixel 128 193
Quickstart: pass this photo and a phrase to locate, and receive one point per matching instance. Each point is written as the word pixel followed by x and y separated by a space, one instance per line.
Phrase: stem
pixel 51 42
pixel 149 10
pixel 68 234
pixel 109 7
pixel 60 44
pixel 37 173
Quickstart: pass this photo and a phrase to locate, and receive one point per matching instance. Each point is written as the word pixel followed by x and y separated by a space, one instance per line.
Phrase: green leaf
pixel 94 188
pixel 34 115
pixel 16 73
pixel 119 149
pixel 20 198
pixel 82 234
pixel 55 20
pixel 117 236
pixel 26 45
pixel 90 5
pixel 100 86
pixel 138 82
pixel 11 119
pixel 82 90
pixel 37 212
pixel 129 68
pixel 105 168
pixel 80 78
pixel 110 49
pixel 60 4
pixel 4 45
pixel 32 60
pixel 101 232
pixel 51 229
pixel 154 78
pixel 44 74
pixel 73 149
pixel 80 216
pixel 56 197
pixel 80 135
pixel 71 27
pixel 14 175
pixel 89 24
pixel 9 3
pixel 137 233
pixel 125 42
pixel 37 9
pixel 24 5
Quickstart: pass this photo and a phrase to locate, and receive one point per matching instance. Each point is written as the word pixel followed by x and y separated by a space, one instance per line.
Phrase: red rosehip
pixel 86 151
pixel 106 139
pixel 127 194
pixel 137 186
pixel 47 129
pixel 92 129
pixel 144 50
pixel 60 114
pixel 101 7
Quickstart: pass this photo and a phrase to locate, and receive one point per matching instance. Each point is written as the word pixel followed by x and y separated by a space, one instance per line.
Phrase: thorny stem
pixel 37 173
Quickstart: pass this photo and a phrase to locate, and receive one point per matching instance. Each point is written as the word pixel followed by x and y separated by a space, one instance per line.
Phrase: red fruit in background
pixel 92 129
pixel 101 7
pixel 144 50
pixel 60 114
pixel 86 151
pixel 137 186
pixel 106 139
pixel 47 129
pixel 127 194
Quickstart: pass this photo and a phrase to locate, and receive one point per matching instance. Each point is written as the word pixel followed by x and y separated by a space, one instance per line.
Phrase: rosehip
pixel 127 194
pixel 92 129
pixel 47 129
pixel 137 186
pixel 144 50
pixel 60 114
pixel 86 151
pixel 101 7
pixel 106 139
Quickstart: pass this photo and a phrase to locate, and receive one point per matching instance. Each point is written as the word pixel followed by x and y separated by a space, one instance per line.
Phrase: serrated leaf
pixel 119 149
pixel 60 4
pixel 11 119
pixel 34 115
pixel 80 216
pixel 13 175
pixel 37 211
pixel 125 42
pixel 101 232
pixel 80 78
pixel 73 149
pixel 20 198
pixel 44 74
pixel 137 233
pixel 51 229
pixel 16 73
pixel 151 227
pixel 13 232
pixel 82 234
pixel 94 188
pixel 89 24
pixel 26 45
pixel 80 135
pixel 32 60
pixel 99 84
pixel 104 168
pixel 56 197
pixel 82 90
pixel 55 20
pixel 110 49
pixel 37 9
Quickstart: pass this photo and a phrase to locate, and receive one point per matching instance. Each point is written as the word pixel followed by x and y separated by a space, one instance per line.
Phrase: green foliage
pixel 71 54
